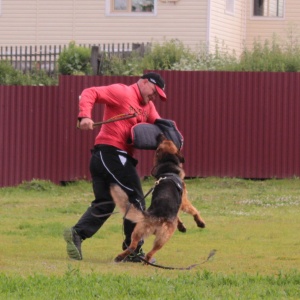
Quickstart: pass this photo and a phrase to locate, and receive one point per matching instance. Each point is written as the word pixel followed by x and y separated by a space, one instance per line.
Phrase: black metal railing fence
pixel 29 58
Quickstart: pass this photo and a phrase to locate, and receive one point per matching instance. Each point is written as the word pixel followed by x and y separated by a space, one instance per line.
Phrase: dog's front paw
pixel 118 259
pixel 200 223
pixel 181 227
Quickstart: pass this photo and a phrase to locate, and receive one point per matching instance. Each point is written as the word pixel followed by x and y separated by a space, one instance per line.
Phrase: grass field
pixel 253 225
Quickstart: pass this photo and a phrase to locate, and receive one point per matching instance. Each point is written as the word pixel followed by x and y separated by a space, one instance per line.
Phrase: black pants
pixel 110 165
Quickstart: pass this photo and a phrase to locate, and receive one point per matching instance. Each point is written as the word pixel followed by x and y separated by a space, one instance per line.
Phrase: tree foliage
pixel 75 60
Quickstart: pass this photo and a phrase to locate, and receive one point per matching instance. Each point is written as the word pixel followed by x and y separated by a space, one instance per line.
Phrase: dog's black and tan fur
pixel 169 196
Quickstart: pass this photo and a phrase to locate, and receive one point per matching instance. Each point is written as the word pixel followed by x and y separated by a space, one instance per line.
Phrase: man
pixel 112 157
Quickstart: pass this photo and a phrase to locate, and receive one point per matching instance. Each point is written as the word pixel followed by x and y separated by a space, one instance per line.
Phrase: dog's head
pixel 167 151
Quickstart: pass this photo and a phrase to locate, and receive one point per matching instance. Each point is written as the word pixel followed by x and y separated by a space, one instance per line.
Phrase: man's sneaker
pixel 73 243
pixel 135 258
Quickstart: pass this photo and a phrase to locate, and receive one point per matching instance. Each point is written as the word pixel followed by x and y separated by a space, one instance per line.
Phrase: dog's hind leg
pixel 162 235
pixel 136 236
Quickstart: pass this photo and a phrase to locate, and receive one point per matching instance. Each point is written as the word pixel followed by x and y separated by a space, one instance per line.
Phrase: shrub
pixel 8 75
pixel 157 57
pixel 263 57
pixel 203 59
pixel 164 56
pixel 75 60
pixel 270 56
pixel 11 76
pixel 115 65
pixel 40 77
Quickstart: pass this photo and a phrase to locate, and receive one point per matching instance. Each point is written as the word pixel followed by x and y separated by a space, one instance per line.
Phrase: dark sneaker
pixel 73 243
pixel 135 258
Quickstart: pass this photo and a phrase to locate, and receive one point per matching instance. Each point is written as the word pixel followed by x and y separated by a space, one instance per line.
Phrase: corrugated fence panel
pixel 235 124
pixel 26 131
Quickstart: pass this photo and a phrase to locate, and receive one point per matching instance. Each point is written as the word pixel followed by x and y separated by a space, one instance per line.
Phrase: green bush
pixel 158 57
pixel 115 65
pixel 270 57
pixel 263 57
pixel 204 60
pixel 40 77
pixel 75 60
pixel 11 76
pixel 8 75
pixel 164 56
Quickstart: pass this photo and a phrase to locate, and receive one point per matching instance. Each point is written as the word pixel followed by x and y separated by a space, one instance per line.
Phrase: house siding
pixel 262 28
pixel 194 22
pixel 228 30
pixel 33 22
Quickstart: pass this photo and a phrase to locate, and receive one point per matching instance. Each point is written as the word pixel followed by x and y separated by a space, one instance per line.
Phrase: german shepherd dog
pixel 168 197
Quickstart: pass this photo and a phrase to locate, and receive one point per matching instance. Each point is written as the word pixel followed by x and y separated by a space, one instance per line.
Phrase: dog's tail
pixel 129 211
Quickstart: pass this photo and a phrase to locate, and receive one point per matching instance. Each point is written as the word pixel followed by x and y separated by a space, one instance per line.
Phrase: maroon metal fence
pixel 235 124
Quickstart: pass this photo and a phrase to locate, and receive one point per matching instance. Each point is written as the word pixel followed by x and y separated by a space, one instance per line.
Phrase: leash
pixel 103 215
pixel 112 213
pixel 152 189
pixel 113 119
pixel 210 255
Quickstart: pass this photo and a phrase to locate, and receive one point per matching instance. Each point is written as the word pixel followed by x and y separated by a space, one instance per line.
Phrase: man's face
pixel 148 91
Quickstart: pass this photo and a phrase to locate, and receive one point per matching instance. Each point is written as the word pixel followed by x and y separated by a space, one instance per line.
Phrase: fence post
pixel 94 59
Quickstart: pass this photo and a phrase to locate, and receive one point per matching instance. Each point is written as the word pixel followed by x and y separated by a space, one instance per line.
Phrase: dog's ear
pixel 160 138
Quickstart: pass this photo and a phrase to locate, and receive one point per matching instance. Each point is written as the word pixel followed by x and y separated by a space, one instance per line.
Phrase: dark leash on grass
pixel 108 214
pixel 210 255
pixel 102 215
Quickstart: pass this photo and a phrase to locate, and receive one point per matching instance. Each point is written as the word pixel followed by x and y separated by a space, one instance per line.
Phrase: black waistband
pixel 104 147
pixel 113 150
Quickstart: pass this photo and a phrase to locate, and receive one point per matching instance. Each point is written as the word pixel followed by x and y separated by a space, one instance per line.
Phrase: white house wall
pixel 262 28
pixel 56 22
pixel 227 29
pixel 194 22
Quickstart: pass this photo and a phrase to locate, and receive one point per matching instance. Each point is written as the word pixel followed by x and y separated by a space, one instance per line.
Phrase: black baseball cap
pixel 159 83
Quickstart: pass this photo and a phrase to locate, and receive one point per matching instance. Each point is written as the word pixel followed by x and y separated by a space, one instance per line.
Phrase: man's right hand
pixel 86 124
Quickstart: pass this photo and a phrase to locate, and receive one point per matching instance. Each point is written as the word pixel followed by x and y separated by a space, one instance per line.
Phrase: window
pixel 268 8
pixel 131 7
pixel 229 6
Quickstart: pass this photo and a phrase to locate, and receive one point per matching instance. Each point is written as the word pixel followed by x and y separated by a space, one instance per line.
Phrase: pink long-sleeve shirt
pixel 119 99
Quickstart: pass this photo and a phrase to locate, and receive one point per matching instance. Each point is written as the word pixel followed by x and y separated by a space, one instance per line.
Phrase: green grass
pixel 253 225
